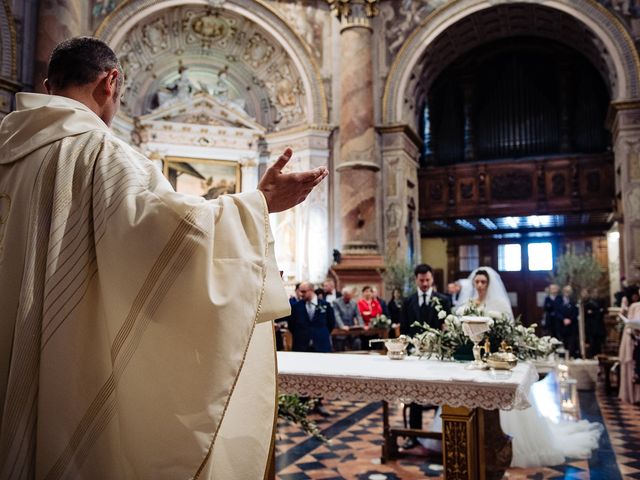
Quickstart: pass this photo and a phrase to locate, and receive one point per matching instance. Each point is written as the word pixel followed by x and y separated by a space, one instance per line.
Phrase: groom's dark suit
pixel 413 311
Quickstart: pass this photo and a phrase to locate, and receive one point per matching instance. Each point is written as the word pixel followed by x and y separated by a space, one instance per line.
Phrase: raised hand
pixel 286 190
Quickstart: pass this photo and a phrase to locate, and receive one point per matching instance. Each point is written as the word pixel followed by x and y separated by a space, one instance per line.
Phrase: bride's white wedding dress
pixel 537 440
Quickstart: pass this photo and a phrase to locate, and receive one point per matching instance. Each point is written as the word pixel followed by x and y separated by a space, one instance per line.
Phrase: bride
pixel 536 439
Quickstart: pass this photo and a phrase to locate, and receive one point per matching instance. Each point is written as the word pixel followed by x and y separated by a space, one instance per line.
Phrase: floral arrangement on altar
pixel 452 343
pixel 380 321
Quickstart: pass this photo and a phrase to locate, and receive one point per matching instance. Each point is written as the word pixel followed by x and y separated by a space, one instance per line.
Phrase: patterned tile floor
pixel 354 430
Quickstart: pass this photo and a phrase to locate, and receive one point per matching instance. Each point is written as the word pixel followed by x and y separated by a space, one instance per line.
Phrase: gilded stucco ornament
pixel 346 8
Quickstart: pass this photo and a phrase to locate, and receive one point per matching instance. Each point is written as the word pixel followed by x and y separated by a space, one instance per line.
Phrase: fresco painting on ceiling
pixel 206 178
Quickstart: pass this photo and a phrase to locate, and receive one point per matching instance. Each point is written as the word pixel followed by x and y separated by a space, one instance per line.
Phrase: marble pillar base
pixel 359 270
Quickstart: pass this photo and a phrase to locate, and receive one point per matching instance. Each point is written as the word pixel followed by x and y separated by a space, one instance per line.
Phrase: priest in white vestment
pixel 135 323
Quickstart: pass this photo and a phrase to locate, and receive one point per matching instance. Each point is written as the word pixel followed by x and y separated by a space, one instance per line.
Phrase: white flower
pixel 495 315
pixel 460 311
pixel 442 314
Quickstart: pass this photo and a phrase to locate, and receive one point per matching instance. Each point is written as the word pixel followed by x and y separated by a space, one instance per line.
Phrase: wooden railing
pixel 518 187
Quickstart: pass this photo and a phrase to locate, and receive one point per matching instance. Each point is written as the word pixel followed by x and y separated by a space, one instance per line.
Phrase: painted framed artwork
pixel 206 178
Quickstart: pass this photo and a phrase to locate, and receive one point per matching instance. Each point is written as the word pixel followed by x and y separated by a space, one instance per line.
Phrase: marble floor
pixel 354 433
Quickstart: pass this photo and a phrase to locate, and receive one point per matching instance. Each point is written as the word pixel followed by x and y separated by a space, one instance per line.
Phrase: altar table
pixel 470 398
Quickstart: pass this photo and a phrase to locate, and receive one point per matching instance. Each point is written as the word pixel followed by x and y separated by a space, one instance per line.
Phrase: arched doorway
pixel 474 31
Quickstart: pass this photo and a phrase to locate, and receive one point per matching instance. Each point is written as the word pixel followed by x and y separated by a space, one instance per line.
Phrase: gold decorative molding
pixel 460 446
pixel 344 9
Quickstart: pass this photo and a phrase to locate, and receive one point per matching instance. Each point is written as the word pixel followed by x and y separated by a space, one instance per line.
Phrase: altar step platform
pixel 355 427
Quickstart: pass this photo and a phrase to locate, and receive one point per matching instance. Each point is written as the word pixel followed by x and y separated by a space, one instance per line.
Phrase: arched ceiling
pixel 501 22
pixel 223 53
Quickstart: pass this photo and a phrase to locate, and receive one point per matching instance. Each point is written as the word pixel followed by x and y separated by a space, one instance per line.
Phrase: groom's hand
pixel 283 191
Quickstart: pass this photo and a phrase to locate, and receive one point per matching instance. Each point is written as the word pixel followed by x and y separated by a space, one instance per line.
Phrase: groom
pixel 424 306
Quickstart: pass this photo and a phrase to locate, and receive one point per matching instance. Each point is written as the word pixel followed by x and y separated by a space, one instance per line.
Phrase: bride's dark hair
pixel 485 273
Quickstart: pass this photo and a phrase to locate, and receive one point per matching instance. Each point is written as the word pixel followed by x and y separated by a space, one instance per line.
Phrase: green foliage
pixel 295 410
pixel 398 275
pixel 381 321
pixel 443 344
pixel 579 271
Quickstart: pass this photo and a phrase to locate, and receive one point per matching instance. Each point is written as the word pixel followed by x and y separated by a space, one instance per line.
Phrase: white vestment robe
pixel 135 322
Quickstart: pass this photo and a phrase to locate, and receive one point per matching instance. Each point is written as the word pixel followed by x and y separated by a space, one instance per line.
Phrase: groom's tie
pixel 424 309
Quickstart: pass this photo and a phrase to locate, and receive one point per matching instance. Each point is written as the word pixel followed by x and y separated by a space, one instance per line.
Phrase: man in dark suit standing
pixel 311 322
pixel 423 306
pixel 569 331
pixel 552 311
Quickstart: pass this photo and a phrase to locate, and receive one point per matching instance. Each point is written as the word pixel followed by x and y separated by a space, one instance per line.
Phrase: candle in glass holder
pixel 568 390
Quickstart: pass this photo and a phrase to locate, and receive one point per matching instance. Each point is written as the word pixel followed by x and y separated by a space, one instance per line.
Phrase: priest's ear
pixel 112 83
pixel 109 89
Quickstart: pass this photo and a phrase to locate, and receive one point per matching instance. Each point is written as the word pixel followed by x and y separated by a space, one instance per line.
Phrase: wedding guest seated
pixel 347 315
pixel 383 304
pixel 369 307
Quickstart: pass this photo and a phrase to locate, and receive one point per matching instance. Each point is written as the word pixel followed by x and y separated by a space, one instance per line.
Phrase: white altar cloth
pixel 429 382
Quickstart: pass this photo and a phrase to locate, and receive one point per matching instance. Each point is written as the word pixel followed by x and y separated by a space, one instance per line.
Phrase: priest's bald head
pixel 87 70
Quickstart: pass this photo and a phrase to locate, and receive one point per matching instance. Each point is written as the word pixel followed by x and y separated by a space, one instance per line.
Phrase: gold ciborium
pixel 502 360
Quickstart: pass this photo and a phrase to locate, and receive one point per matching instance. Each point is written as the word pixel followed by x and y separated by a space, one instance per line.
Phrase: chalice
pixel 475 327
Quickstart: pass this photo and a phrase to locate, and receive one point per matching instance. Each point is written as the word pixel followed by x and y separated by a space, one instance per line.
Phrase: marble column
pixel 58 20
pixel 400 155
pixel 625 128
pixel 358 166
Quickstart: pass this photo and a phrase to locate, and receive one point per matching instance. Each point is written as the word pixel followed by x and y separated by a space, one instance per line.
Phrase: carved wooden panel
pixel 535 187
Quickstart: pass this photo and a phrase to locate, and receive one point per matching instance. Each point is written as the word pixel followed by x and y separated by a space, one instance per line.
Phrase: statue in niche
pixel 182 89
pixel 221 92
pixel 221 89
pixel 283 88
pixel 634 201
pixel 393 214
